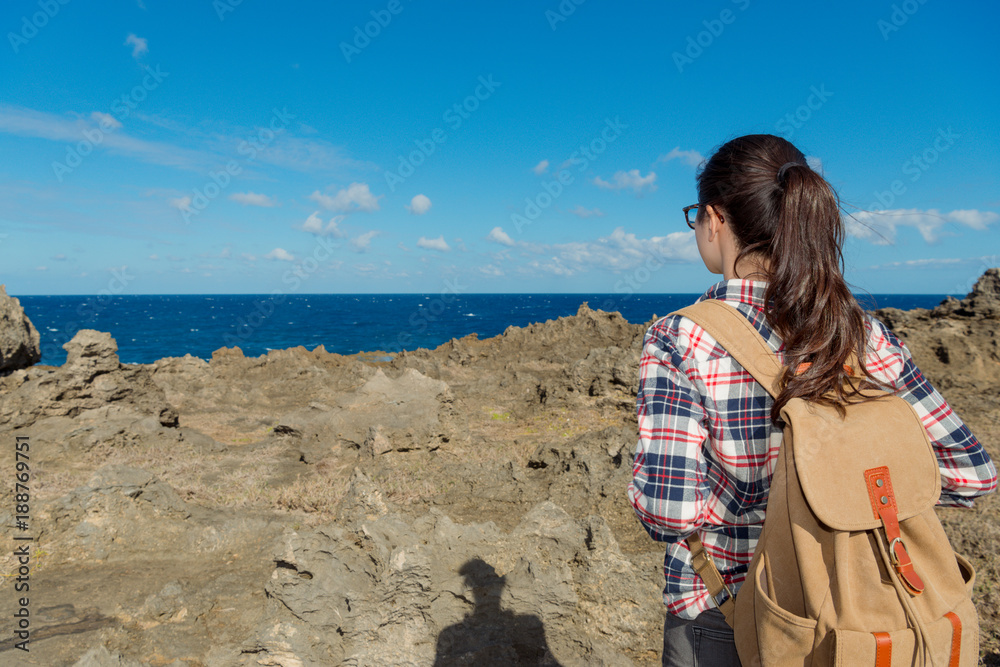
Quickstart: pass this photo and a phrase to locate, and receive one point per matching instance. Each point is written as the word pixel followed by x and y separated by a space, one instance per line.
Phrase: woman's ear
pixel 715 222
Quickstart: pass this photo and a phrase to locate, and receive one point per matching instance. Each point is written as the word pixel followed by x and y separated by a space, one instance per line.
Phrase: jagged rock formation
pixel 19 340
pixel 957 343
pixel 983 302
pixel 91 379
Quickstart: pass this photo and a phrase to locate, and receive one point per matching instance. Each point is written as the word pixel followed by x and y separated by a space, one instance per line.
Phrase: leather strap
pixel 883 503
pixel 883 649
pixel 709 573
pixel 956 638
pixel 740 339
pixel 745 344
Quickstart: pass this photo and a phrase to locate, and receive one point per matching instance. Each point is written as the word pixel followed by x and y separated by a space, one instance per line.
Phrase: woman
pixel 707 442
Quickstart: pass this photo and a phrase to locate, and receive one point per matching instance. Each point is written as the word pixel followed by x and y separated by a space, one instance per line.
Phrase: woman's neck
pixel 749 268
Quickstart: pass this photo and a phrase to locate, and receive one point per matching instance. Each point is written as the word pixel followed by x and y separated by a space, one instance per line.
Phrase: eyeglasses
pixel 687 214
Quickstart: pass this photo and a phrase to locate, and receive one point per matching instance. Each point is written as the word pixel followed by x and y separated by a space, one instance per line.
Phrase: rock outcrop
pixel 958 342
pixel 983 302
pixel 19 340
pixel 91 379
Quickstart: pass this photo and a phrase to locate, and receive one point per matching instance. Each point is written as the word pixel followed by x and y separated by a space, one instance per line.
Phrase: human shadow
pixel 489 635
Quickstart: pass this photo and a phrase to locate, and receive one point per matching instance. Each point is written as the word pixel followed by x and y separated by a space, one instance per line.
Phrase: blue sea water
pixel 149 327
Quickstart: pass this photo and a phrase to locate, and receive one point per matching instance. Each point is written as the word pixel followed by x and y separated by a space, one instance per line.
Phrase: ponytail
pixel 786 214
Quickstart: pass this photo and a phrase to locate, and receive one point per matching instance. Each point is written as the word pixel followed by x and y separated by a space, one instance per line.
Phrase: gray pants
pixel 707 641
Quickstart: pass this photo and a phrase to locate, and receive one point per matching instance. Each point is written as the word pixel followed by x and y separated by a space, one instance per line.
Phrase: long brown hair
pixel 782 211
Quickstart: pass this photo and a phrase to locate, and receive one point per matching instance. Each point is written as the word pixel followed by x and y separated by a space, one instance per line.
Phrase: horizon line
pixel 460 294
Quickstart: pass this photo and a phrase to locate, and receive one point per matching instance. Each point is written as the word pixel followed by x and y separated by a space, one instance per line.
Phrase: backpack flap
pixel 832 455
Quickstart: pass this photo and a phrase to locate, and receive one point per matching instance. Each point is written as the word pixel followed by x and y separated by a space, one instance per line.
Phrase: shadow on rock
pixel 490 635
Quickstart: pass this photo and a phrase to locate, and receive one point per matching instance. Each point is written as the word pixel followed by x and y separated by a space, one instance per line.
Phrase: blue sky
pixel 404 146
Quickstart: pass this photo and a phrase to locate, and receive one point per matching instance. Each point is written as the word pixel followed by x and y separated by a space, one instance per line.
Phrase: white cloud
pixel 972 218
pixel 195 148
pixel 304 154
pixel 880 227
pixel 252 199
pixel 30 123
pixel 541 167
pixel 498 235
pixel 922 263
pixel 308 155
pixel 105 119
pixel 631 179
pixel 138 44
pixel 154 257
pixel 553 266
pixel 692 158
pixel 403 247
pixel 280 254
pixel 625 251
pixel 181 203
pixel 314 225
pixel 41 268
pixel 60 257
pixel 355 197
pixel 419 205
pixel 433 244
pixel 587 213
pixel 215 146
pixel 360 243
pixel 815 163
pixel 491 270
pixel 619 251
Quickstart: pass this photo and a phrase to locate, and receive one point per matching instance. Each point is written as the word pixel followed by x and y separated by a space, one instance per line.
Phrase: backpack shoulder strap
pixel 735 333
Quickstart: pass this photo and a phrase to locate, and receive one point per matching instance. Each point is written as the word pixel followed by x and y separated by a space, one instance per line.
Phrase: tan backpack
pixel 853 566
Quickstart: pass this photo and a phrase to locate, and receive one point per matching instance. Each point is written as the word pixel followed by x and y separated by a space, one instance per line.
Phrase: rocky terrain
pixel 457 506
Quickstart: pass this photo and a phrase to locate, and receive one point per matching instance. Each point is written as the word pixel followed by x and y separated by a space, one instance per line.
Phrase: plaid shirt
pixel 707 448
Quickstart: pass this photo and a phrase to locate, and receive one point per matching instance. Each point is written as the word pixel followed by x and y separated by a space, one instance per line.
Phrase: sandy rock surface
pixel 457 506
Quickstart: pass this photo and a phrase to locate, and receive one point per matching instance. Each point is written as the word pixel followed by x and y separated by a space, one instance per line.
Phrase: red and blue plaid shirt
pixel 707 448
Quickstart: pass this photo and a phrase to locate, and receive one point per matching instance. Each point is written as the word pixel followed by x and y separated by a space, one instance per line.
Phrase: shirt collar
pixel 741 291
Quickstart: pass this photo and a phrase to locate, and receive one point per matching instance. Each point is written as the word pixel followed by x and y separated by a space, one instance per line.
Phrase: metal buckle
pixel 892 550
pixel 719 602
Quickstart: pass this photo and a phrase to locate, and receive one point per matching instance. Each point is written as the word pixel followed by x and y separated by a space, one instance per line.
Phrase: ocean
pixel 149 327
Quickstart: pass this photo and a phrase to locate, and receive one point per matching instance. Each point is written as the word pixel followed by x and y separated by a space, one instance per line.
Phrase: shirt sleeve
pixel 966 469
pixel 669 482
